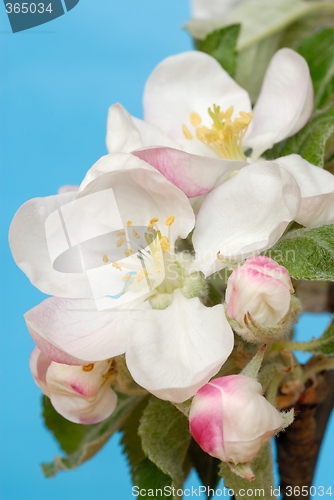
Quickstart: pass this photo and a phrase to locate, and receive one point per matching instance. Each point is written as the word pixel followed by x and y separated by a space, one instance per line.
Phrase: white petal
pixel 285 102
pixel 85 411
pixel 77 328
pixel 317 191
pixel 152 135
pixel 141 193
pixel 194 175
pixel 246 214
pixel 186 83
pixel 39 364
pixel 122 134
pixel 173 352
pixel 29 246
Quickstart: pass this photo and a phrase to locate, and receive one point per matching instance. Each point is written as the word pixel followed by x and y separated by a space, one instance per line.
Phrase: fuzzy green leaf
pixel 310 142
pixel 263 483
pixel 324 344
pixel 145 475
pixel 82 442
pixel 165 436
pixel 221 45
pixel 319 54
pixel 306 253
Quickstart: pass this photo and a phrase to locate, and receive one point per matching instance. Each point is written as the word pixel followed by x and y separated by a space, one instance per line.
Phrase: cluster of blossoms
pixel 108 252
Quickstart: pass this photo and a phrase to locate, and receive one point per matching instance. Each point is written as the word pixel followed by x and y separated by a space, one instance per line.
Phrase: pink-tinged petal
pixel 52 352
pixel 245 215
pixel 186 83
pixel 84 380
pixel 173 352
pixel 267 299
pixel 206 421
pixel 122 134
pixel 39 364
pixel 85 411
pixel 141 193
pixel 29 246
pixel 317 191
pixel 77 328
pixel 285 102
pixel 194 175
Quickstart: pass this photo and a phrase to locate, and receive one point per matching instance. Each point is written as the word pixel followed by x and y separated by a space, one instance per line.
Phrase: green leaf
pixel 319 54
pixel 306 253
pixel 165 436
pixel 310 142
pixel 82 442
pixel 323 344
pixel 205 465
pixel 145 475
pixel 263 483
pixel 221 44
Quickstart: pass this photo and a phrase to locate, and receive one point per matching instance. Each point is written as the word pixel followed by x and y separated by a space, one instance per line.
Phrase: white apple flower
pixel 106 253
pixel 230 419
pixel 81 394
pixel 192 105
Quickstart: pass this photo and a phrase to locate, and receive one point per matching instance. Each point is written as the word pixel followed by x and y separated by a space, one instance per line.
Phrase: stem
pixel 298 447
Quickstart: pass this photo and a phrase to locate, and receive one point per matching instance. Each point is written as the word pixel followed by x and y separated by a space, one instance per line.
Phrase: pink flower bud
pixel 260 289
pixel 230 419
pixel 81 394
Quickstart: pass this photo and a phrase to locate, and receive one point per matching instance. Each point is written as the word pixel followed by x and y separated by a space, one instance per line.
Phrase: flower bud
pixel 258 298
pixel 230 419
pixel 81 394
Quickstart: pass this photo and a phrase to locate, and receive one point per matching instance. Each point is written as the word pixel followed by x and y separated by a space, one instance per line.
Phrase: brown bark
pixel 298 447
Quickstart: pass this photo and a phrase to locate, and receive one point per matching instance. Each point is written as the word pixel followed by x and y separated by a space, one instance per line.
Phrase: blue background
pixel 57 83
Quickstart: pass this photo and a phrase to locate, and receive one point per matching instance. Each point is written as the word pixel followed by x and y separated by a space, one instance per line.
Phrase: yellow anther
pixel 120 242
pixel 164 244
pixel 129 223
pixel 126 277
pixel 170 220
pixel 120 233
pixel 88 368
pixel 128 252
pixel 195 119
pixel 140 275
pixel 135 234
pixel 152 222
pixel 118 265
pixel 105 259
pixel 225 136
pixel 186 132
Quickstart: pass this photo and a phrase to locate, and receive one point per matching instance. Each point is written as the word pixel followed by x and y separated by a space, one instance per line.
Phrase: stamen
pixel 170 220
pixel 225 136
pixel 120 233
pixel 135 234
pixel 128 252
pixel 118 265
pixel 105 259
pixel 186 132
pixel 88 368
pixel 129 223
pixel 140 275
pixel 195 119
pixel 151 223
pixel 164 244
pixel 126 277
pixel 120 242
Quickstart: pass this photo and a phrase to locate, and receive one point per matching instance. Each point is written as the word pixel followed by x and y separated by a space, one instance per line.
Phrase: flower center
pixel 225 136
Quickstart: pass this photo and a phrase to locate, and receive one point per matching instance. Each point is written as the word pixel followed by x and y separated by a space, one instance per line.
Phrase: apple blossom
pixel 230 419
pixel 193 107
pixel 81 394
pixel 106 253
pixel 259 302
